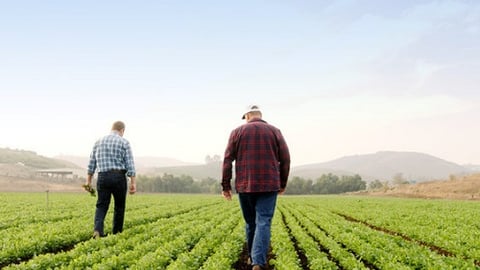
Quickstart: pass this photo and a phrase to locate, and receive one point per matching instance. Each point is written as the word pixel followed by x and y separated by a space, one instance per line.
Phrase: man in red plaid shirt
pixel 262 165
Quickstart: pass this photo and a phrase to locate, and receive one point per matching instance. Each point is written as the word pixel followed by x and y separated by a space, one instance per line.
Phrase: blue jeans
pixel 258 210
pixel 108 184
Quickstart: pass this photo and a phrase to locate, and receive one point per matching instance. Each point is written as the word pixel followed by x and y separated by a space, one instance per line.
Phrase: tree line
pixel 325 184
pixel 169 183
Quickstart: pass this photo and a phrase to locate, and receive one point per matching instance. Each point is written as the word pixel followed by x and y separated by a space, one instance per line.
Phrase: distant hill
pixel 198 172
pixel 16 165
pixel 385 165
pixel 31 159
pixel 140 162
pixel 416 167
pixel 472 167
pixel 19 171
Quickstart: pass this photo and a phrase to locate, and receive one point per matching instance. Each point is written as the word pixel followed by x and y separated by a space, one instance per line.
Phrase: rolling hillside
pixel 19 172
pixel 385 165
pixel 415 167
pixel 459 188
pixel 141 162
pixel 31 159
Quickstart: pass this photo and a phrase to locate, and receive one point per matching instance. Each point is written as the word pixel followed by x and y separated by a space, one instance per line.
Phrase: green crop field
pixel 53 231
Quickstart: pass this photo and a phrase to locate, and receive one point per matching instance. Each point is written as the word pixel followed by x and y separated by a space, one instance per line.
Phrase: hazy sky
pixel 339 77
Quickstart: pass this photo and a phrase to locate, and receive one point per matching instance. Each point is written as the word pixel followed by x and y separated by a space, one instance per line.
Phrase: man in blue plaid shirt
pixel 112 157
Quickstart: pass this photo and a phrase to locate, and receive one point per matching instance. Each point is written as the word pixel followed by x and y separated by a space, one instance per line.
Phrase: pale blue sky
pixel 337 77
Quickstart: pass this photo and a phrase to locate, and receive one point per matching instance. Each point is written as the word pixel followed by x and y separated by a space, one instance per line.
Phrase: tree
pixel 214 159
pixel 326 184
pixel 298 185
pixel 398 179
pixel 376 184
pixel 351 183
pixel 332 184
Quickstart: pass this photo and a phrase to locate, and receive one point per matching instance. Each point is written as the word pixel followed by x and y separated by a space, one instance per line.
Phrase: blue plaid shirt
pixel 111 152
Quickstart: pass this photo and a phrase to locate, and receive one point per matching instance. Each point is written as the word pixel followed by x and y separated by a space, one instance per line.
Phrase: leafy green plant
pixel 89 189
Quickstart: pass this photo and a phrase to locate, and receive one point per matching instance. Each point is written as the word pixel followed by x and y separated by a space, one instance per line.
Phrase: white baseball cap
pixel 250 108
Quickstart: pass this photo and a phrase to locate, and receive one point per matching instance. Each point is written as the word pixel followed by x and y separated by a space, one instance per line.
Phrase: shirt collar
pixel 257 120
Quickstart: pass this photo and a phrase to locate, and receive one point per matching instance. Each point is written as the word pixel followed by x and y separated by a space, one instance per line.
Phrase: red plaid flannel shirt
pixel 261 155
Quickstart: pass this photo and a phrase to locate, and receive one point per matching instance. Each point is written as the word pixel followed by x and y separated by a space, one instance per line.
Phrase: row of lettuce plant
pixel 52 237
pixel 228 251
pixel 378 248
pixel 316 258
pixel 185 241
pixel 282 246
pixel 91 252
pixel 449 225
pixel 221 232
pixel 345 258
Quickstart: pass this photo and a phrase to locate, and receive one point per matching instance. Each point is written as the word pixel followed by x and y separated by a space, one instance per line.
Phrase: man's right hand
pixel 227 194
pixel 133 188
